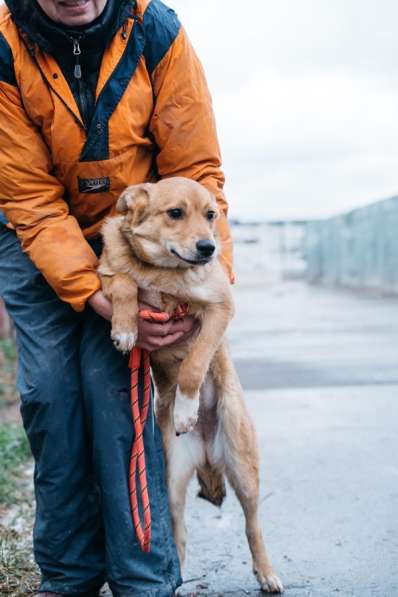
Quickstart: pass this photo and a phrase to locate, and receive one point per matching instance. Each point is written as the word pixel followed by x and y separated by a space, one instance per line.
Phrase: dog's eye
pixel 175 214
pixel 211 215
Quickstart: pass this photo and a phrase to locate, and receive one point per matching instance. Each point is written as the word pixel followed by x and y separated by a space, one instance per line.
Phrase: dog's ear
pixel 134 199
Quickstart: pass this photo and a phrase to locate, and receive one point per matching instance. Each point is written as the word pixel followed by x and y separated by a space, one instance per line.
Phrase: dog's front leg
pixel 194 367
pixel 122 291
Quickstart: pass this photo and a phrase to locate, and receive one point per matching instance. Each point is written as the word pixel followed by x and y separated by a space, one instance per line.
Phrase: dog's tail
pixel 212 485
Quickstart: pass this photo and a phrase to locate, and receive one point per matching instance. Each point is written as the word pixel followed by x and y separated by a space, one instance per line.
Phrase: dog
pixel 164 243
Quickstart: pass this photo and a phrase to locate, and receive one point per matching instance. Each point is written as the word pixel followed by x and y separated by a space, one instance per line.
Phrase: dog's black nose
pixel 205 247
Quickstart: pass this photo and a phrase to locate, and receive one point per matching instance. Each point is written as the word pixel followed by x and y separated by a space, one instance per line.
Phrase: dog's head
pixel 170 223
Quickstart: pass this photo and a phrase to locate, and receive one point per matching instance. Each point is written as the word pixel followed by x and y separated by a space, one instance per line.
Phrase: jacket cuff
pixel 90 285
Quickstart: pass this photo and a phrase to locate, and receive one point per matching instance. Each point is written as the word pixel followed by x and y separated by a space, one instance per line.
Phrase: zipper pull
pixel 76 52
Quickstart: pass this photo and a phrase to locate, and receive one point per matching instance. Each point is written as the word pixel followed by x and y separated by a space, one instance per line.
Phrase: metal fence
pixel 358 249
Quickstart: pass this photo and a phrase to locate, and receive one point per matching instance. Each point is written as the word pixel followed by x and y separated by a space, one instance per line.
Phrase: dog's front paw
pixel 186 412
pixel 124 341
pixel 270 583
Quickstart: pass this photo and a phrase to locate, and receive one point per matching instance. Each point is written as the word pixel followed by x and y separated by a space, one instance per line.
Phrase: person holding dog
pixel 95 95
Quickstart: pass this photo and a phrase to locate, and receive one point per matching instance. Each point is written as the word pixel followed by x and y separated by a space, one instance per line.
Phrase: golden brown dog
pixel 164 243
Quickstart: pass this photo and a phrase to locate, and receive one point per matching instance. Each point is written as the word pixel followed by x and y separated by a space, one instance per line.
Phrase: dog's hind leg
pixel 241 461
pixel 235 448
pixel 242 473
pixel 184 454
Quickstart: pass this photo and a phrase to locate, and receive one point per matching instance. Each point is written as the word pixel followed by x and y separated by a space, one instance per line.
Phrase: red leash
pixel 138 450
pixel 137 457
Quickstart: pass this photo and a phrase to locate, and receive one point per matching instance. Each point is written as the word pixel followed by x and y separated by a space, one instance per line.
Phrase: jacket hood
pixel 29 17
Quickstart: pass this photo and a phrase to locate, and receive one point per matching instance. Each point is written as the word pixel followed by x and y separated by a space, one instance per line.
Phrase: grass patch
pixel 8 365
pixel 9 350
pixel 14 447
pixel 14 452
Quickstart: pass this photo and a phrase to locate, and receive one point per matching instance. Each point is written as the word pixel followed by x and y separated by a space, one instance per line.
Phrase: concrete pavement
pixel 321 372
pixel 294 335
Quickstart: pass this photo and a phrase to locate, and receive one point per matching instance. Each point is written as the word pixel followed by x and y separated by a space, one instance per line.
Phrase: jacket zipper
pixel 32 52
pixel 77 73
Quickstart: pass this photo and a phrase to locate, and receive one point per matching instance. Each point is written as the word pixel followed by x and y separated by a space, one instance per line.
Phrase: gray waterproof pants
pixel 75 406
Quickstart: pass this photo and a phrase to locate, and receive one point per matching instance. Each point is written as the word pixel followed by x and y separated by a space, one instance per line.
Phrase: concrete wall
pixel 358 249
pixel 272 250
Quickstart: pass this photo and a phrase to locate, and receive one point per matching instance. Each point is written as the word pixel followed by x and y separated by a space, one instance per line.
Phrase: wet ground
pixel 320 369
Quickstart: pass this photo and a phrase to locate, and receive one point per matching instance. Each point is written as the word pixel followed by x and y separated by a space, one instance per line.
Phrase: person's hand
pixel 152 336
pixel 101 305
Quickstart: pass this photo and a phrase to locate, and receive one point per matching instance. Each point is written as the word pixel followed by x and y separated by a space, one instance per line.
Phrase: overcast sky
pixel 306 99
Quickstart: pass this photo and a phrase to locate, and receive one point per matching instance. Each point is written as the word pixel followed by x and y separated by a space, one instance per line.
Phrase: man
pixel 95 95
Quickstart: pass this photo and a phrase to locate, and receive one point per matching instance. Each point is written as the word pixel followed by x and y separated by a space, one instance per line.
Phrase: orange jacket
pixel 59 181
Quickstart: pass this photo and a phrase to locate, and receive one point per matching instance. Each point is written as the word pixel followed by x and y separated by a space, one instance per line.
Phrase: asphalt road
pixel 321 372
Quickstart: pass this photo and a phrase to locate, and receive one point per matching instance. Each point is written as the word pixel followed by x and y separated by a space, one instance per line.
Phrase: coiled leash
pixel 140 357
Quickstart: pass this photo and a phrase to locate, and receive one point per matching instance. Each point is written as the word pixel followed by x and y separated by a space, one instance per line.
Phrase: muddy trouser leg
pixel 70 379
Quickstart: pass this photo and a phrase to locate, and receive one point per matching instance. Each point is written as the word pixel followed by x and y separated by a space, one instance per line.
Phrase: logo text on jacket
pixel 94 185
